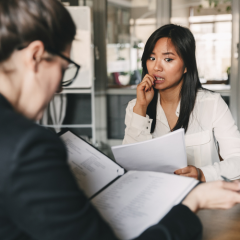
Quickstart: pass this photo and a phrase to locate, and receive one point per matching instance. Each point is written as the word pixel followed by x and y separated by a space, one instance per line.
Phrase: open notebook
pixel 129 201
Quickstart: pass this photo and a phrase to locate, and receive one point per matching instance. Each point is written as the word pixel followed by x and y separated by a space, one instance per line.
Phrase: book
pixel 129 201
pixel 162 154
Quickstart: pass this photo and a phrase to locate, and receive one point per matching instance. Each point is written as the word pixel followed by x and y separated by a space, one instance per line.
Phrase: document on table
pixel 139 200
pixel 92 169
pixel 162 154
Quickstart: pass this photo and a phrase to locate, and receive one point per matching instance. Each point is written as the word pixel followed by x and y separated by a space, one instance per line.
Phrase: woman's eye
pixel 152 58
pixel 168 59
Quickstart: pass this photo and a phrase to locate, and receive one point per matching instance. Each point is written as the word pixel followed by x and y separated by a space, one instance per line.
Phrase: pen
pixel 226 179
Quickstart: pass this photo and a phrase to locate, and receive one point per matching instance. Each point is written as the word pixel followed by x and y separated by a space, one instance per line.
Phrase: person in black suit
pixel 39 198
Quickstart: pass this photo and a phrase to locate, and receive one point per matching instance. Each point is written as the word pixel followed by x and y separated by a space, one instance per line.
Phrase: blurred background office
pixel 110 41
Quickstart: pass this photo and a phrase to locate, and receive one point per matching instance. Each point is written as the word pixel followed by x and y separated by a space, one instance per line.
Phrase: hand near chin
pixel 145 94
pixel 191 171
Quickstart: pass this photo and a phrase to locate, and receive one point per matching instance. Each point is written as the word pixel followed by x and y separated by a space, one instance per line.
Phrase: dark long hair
pixel 184 43
pixel 24 21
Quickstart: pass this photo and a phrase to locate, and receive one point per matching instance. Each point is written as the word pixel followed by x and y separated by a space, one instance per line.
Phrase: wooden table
pixel 221 224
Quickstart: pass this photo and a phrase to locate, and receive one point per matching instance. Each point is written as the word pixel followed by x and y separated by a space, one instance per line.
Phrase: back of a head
pixel 24 21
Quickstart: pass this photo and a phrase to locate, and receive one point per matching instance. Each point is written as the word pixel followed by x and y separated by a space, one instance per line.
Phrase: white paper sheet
pixel 139 200
pixel 92 169
pixel 162 154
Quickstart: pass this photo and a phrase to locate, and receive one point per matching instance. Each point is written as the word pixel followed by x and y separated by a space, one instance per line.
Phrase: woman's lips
pixel 159 80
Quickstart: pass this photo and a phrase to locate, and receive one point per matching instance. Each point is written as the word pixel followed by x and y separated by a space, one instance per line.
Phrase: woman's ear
pixel 34 53
pixel 185 70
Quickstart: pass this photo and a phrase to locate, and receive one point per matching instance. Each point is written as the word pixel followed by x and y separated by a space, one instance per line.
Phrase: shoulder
pixel 40 142
pixel 204 95
pixel 209 103
pixel 21 136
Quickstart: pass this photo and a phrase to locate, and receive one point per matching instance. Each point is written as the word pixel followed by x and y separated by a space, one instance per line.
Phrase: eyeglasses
pixel 69 74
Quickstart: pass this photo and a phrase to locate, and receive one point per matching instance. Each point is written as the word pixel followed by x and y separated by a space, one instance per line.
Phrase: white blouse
pixel 210 125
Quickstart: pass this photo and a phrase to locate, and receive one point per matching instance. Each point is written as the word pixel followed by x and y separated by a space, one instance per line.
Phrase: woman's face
pixel 165 65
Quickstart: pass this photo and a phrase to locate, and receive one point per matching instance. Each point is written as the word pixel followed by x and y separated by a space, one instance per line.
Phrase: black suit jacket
pixel 39 198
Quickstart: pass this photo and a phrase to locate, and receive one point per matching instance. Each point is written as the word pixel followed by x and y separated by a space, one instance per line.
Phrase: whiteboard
pixel 81 51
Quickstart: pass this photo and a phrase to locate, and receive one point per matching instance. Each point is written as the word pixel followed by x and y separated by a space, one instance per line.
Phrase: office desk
pixel 221 224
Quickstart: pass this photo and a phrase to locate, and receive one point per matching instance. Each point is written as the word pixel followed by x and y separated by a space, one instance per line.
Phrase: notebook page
pixel 139 200
pixel 92 169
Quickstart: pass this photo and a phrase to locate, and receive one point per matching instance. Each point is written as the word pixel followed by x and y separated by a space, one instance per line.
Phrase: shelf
pixel 76 90
pixel 70 126
pixel 130 90
pixel 224 90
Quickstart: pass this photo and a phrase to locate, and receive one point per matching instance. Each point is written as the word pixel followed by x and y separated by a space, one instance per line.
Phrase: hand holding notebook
pixel 130 201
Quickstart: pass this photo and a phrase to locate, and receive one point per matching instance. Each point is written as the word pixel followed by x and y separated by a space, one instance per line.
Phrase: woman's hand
pixel 213 195
pixel 145 95
pixel 191 171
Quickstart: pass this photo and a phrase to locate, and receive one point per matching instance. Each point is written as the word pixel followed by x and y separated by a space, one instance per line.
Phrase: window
pixel 129 25
pixel 211 25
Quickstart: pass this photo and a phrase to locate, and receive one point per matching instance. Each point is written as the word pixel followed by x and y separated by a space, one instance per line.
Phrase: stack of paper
pixel 163 154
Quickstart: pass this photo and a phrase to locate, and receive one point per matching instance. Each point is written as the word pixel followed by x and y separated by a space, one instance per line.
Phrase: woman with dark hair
pixel 39 197
pixel 170 97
